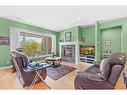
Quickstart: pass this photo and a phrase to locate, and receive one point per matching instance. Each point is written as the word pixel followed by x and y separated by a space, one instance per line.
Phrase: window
pixel 34 44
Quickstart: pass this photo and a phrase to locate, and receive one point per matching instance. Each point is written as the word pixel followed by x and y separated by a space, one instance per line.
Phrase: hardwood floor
pixel 8 80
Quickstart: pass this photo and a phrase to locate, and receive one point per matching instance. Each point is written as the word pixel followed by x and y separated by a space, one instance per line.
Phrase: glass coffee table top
pixel 53 58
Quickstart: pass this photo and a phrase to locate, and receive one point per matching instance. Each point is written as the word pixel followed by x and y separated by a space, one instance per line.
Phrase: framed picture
pixel 68 36
pixel 107 42
pixel 4 40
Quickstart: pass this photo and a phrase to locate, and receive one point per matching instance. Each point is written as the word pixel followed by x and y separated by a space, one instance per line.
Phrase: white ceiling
pixel 61 17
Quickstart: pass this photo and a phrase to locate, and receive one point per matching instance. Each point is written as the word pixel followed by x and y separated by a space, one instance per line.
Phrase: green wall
pixel 113 35
pixel 5 24
pixel 109 24
pixel 74 33
pixel 91 34
pixel 88 34
pixel 78 32
pixel 61 35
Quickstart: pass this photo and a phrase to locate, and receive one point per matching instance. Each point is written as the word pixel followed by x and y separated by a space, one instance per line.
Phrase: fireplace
pixel 68 53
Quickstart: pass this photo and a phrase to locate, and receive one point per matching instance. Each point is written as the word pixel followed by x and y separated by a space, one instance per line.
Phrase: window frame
pixel 25 35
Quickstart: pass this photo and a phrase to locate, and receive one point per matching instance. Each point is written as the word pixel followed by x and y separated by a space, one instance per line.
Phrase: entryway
pixel 110 40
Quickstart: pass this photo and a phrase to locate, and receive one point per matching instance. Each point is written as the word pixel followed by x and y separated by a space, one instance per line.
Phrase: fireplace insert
pixel 68 52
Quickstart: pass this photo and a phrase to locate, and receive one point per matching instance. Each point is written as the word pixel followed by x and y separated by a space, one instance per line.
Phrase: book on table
pixel 35 65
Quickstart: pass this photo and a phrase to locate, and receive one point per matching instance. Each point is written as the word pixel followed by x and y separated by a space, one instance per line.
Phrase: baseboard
pixel 6 67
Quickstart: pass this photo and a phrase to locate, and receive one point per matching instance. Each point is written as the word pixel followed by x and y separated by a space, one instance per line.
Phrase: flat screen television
pixel 87 50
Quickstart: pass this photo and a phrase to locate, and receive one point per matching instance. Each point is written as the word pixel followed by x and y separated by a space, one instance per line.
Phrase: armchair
pixel 20 61
pixel 94 78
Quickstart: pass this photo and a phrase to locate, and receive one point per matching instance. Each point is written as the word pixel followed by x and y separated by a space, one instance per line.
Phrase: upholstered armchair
pixel 20 61
pixel 106 78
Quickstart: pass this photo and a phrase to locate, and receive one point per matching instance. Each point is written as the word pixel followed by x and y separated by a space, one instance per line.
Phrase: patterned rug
pixel 59 71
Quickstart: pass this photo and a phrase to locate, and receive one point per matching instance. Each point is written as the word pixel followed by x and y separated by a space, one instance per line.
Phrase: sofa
pixel 105 77
pixel 20 61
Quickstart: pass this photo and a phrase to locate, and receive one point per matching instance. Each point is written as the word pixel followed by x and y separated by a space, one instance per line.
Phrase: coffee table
pixel 55 61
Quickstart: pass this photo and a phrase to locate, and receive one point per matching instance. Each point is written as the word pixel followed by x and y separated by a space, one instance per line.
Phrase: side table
pixel 38 74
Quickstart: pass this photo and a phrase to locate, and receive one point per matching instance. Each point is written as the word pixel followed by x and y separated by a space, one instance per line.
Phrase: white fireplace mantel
pixel 76 49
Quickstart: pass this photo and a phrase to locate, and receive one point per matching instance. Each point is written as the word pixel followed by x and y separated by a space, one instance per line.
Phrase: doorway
pixel 110 40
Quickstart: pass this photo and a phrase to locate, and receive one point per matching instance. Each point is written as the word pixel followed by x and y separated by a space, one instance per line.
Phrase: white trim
pixel 14 39
pixel 86 64
pixel 18 30
pixel 7 67
pixel 122 39
pixel 54 45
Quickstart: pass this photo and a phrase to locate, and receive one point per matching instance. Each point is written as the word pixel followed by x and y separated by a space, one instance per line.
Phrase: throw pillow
pixel 102 65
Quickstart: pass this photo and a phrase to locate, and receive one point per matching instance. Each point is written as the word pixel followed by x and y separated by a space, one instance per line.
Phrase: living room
pixel 62 48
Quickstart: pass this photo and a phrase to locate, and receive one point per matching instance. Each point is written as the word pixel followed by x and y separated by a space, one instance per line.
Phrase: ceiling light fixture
pixel 78 18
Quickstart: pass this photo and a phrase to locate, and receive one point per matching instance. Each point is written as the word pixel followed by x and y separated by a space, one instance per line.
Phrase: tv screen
pixel 87 50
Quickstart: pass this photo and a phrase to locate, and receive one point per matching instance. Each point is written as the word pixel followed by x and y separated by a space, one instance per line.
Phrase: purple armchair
pixel 94 78
pixel 20 61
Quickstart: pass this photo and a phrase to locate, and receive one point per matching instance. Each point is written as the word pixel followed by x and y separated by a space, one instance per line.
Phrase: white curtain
pixel 54 44
pixel 14 38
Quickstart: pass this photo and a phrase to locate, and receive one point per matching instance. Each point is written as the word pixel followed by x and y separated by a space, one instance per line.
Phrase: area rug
pixel 59 71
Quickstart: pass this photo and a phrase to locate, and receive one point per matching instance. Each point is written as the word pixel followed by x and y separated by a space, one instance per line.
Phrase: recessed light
pixel 78 18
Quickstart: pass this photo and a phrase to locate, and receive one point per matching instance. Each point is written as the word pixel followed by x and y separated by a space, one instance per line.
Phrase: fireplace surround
pixel 69 51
